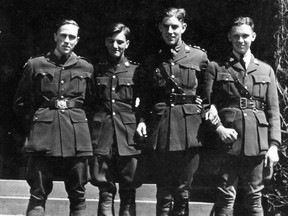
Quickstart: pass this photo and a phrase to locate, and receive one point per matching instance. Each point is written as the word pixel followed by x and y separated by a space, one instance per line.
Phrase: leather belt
pixel 62 104
pixel 245 103
pixel 176 99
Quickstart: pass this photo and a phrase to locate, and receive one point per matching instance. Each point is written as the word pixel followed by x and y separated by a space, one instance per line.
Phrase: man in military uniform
pixel 244 94
pixel 174 78
pixel 50 98
pixel 114 123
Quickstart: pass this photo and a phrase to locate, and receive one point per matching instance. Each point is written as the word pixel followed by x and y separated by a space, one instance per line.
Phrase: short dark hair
pixel 116 28
pixel 238 21
pixel 65 22
pixel 179 13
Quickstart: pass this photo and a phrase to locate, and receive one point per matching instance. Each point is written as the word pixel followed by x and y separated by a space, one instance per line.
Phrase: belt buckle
pixel 61 104
pixel 243 103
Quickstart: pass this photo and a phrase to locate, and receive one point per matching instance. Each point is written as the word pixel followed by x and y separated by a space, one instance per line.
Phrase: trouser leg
pixel 253 184
pixel 187 163
pixel 106 201
pixel 127 186
pixel 39 179
pixel 227 186
pixel 164 201
pixel 75 185
pixel 127 204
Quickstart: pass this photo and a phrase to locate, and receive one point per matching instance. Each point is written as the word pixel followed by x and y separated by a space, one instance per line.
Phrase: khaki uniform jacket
pixel 114 121
pixel 174 128
pixel 256 128
pixel 55 132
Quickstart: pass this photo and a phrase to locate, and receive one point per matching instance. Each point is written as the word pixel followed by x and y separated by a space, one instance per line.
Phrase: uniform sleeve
pixel 89 92
pixel 209 78
pixel 272 111
pixel 141 91
pixel 201 77
pixel 24 98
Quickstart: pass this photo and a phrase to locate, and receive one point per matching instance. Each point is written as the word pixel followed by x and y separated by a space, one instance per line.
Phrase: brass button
pixel 62 82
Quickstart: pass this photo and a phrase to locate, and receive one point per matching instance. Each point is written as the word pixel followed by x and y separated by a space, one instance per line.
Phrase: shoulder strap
pixel 169 80
pixel 240 87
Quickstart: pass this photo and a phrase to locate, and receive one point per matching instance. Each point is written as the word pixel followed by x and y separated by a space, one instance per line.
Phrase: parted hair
pixel 238 21
pixel 65 22
pixel 179 13
pixel 116 28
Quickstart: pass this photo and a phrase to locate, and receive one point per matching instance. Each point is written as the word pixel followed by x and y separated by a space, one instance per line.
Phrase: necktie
pixel 242 62
pixel 63 59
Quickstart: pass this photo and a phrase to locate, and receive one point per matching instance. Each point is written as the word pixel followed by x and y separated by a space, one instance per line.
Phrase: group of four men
pixel 168 92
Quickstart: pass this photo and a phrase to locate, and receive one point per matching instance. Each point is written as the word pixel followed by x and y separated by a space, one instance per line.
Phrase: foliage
pixel 277 190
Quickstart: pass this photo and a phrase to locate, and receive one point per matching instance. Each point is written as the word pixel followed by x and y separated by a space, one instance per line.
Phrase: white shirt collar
pixel 247 57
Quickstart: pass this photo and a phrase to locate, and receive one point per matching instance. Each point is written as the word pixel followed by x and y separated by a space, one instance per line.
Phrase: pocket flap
pixel 44 72
pixel 261 79
pixel 125 81
pixel 43 115
pixel 190 109
pixel 228 115
pixel 81 75
pixel 128 118
pixel 78 116
pixel 102 81
pixel 189 65
pixel 261 118
pixel 222 76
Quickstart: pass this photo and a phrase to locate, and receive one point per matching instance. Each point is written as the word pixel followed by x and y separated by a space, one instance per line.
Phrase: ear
pixel 160 27
pixel 78 38
pixel 253 36
pixel 229 37
pixel 55 37
pixel 184 27
pixel 127 43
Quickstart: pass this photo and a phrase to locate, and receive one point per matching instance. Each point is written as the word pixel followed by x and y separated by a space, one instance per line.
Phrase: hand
pixel 199 101
pixel 227 135
pixel 271 157
pixel 141 129
pixel 212 115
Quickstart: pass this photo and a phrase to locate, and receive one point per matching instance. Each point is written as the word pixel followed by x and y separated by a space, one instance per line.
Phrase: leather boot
pixel 78 213
pixel 106 204
pixel 35 207
pixel 181 203
pixel 127 202
pixel 164 202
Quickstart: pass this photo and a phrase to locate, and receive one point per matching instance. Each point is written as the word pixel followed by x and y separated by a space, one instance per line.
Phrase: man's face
pixel 241 38
pixel 172 30
pixel 116 45
pixel 66 38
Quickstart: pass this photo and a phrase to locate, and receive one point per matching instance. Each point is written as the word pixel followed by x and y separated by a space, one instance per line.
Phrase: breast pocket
pixel 79 80
pixel 224 79
pixel 260 85
pixel 129 122
pixel 188 75
pixel 41 131
pixel 102 84
pixel 45 81
pixel 262 128
pixel 126 86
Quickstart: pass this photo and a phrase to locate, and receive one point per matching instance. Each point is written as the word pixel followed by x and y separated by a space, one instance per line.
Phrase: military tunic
pixel 174 127
pixel 114 107
pixel 256 121
pixel 257 128
pixel 54 131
